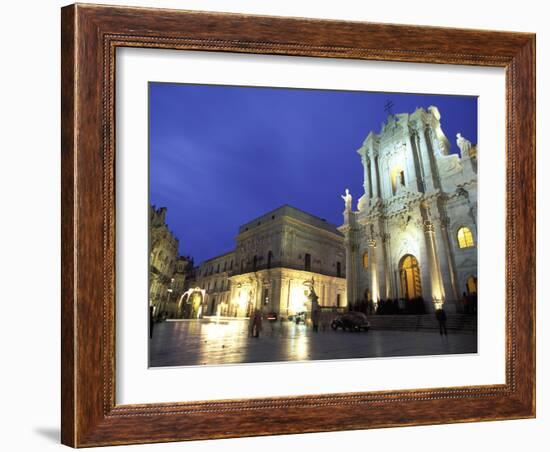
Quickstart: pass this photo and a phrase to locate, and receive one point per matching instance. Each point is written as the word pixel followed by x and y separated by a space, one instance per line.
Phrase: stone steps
pixel 427 322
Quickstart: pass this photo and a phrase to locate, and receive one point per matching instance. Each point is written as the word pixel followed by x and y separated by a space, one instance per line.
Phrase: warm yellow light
pixel 298 299
pixel 465 237
pixel 242 298
pixel 366 260
pixel 471 284
pixel 397 176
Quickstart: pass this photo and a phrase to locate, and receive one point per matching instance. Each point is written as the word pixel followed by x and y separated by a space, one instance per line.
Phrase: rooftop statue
pixel 347 200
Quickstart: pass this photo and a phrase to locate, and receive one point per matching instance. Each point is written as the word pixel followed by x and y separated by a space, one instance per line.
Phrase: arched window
pixel 465 237
pixel 397 176
pixel 366 259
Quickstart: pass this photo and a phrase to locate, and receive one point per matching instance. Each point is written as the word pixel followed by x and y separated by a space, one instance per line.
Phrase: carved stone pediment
pixel 449 165
pixel 391 150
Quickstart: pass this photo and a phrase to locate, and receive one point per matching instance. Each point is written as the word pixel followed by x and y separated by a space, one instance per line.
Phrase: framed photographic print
pixel 281 225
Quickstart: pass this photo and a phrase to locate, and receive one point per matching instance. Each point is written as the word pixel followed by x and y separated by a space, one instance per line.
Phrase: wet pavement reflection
pixel 226 341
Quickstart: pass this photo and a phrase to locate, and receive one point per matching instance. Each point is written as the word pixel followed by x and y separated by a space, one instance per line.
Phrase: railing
pixel 283 264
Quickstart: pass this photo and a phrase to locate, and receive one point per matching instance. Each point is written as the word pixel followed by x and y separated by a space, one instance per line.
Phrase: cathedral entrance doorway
pixel 409 272
pixel 471 285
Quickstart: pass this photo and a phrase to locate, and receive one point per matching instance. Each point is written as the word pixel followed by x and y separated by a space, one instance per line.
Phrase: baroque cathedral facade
pixel 413 234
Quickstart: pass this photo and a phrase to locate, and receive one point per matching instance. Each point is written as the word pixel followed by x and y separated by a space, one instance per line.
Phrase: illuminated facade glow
pixel 413 234
pixel 465 238
pixel 275 255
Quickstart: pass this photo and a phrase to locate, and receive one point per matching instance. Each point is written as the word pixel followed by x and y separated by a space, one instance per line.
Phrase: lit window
pixel 366 260
pixel 397 176
pixel 465 238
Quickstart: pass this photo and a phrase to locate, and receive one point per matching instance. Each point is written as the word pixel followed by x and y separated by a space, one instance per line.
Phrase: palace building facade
pixel 162 259
pixel 413 234
pixel 167 269
pixel 277 257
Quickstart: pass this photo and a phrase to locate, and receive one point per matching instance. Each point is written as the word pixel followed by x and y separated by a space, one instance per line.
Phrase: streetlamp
pixel 167 302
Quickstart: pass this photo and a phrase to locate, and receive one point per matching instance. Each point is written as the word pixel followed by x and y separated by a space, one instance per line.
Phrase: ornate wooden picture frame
pixel 90 37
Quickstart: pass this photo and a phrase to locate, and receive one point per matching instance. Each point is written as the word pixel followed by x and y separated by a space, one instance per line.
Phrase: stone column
pixel 285 296
pixel 450 279
pixel 230 298
pixel 275 295
pixel 413 165
pixel 374 285
pixel 260 303
pixel 377 171
pixel 436 283
pixel 351 277
pixel 362 151
pixel 366 176
pixel 390 291
pixel 425 160
pixel 374 179
pixel 433 151
pixel 351 233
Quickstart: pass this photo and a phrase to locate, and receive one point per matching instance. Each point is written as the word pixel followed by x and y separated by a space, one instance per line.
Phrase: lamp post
pixel 168 297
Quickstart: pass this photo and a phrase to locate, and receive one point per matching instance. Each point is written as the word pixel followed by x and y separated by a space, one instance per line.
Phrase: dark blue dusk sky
pixel 222 155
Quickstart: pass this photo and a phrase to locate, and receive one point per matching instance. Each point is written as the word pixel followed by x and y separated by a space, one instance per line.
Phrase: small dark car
pixel 351 321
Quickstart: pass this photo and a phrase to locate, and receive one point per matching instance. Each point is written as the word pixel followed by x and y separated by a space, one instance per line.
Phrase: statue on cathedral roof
pixel 347 200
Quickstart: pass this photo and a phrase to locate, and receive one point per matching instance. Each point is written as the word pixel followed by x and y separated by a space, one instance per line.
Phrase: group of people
pixel 318 319
pixel 321 319
pixel 392 306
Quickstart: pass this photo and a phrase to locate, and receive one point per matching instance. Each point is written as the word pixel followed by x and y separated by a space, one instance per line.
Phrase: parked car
pixel 351 321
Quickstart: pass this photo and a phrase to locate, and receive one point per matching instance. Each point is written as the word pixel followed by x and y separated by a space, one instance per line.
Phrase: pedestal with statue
pixel 312 305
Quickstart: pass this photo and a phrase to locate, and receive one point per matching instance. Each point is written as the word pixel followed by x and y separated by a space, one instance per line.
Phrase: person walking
pixel 315 319
pixel 251 321
pixel 257 323
pixel 441 317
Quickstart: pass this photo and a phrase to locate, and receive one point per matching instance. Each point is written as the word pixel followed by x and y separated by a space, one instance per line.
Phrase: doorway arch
pixel 471 285
pixel 409 272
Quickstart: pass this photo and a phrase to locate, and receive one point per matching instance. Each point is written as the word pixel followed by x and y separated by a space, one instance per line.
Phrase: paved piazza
pixel 226 341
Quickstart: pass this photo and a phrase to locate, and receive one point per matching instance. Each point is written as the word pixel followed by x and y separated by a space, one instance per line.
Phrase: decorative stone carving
pixel 428 226
pixel 362 203
pixel 449 165
pixel 464 145
pixel 412 219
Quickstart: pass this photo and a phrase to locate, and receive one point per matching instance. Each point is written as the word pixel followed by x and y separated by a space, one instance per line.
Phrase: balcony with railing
pixel 250 267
